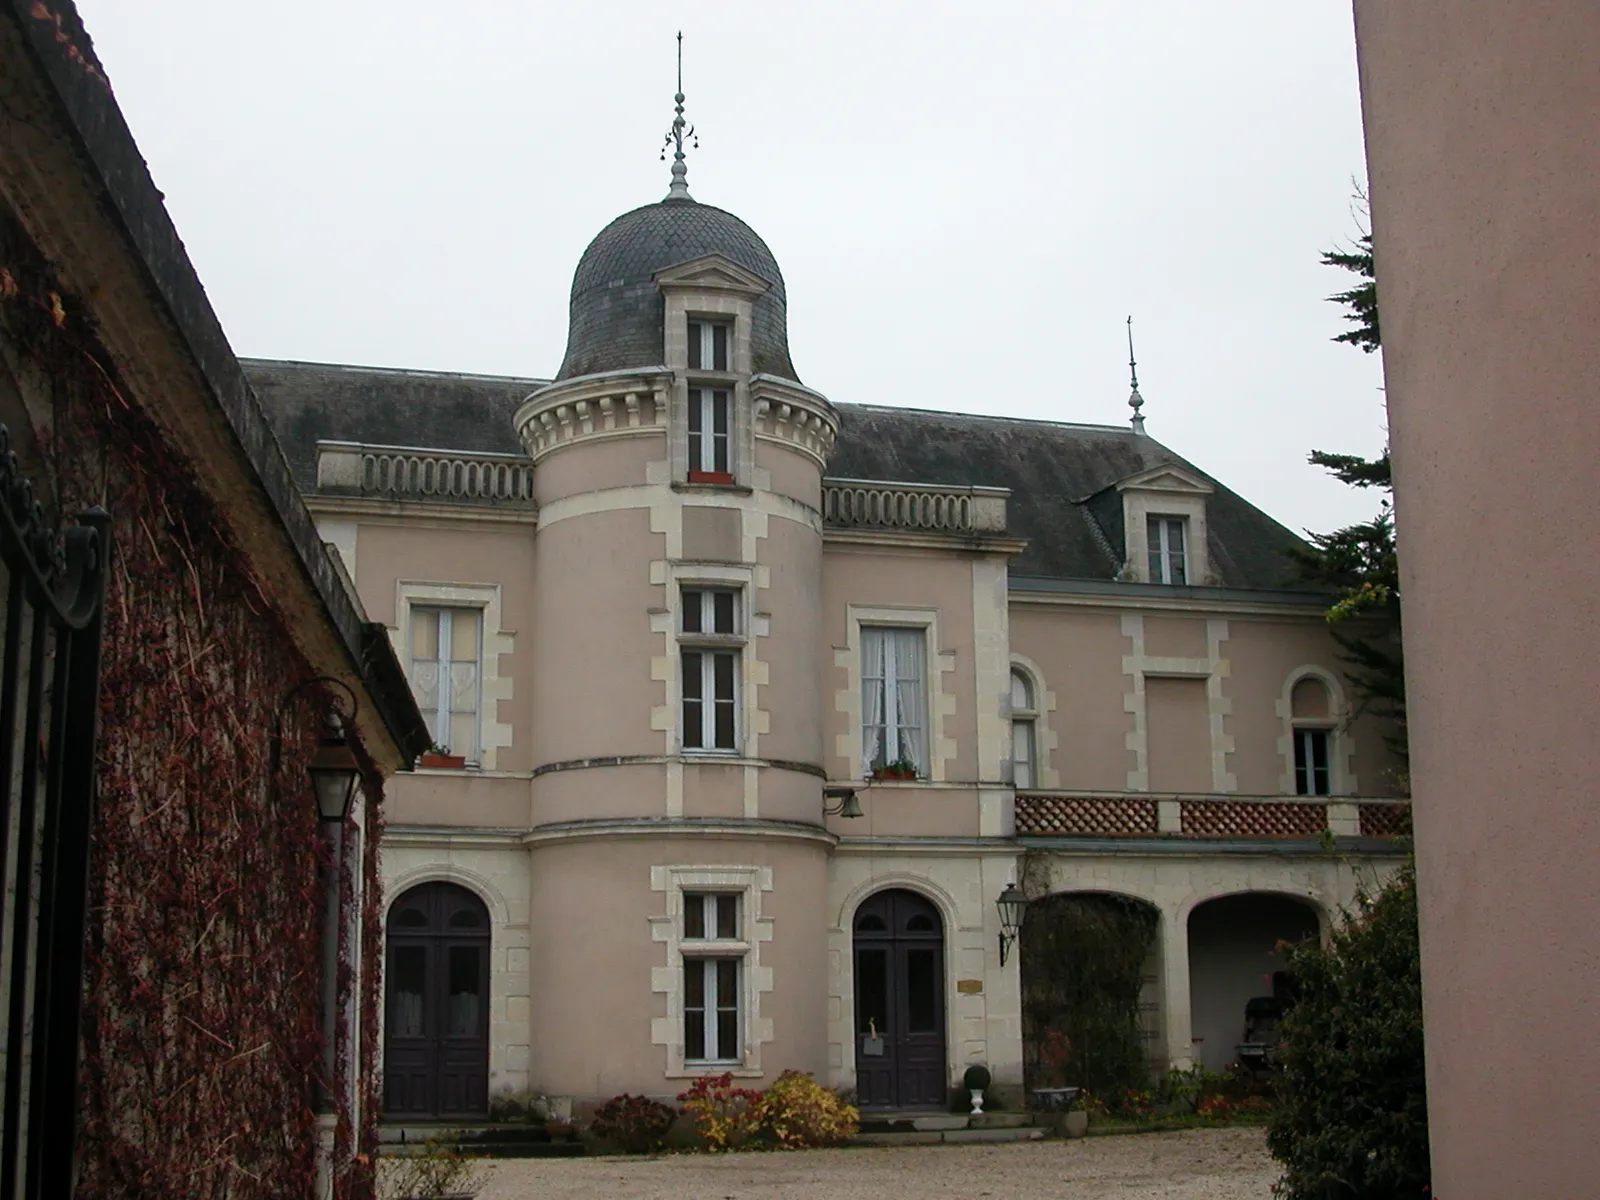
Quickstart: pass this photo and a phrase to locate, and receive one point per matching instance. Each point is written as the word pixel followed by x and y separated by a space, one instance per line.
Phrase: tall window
pixel 446 650
pixel 713 963
pixel 1168 560
pixel 1312 717
pixel 710 408
pixel 894 718
pixel 1311 775
pixel 1024 740
pixel 710 640
pixel 708 345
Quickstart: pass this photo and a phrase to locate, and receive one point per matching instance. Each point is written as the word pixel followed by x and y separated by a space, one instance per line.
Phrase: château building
pixel 675 616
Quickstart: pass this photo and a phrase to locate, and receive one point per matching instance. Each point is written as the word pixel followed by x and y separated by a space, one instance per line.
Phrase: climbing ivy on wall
pixel 1082 966
pixel 201 1029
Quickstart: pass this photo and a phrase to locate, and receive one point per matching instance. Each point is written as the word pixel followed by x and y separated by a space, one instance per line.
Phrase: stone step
pixel 1000 1120
pixel 911 1122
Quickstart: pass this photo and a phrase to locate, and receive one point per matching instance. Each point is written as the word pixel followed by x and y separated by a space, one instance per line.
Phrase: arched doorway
pixel 1234 959
pixel 899 985
pixel 1089 971
pixel 436 1012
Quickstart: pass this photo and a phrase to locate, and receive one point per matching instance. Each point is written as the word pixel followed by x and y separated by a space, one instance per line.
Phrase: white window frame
pixel 702 955
pixel 893 727
pixel 441 722
pixel 710 645
pixel 706 441
pixel 707 399
pixel 1025 720
pixel 1161 529
pixel 1302 735
pixel 703 330
pixel 751 884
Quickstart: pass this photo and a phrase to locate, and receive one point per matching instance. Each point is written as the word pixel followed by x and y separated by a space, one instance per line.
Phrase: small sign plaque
pixel 872 1047
pixel 969 987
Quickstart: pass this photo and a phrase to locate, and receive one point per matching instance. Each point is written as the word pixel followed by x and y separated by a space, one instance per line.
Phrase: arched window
pixel 1024 731
pixel 1313 728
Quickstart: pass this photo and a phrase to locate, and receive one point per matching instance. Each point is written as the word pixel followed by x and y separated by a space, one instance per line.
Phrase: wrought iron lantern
pixel 334 771
pixel 1013 906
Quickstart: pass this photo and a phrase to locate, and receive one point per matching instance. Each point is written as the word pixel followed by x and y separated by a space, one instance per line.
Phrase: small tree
pixel 1352 1117
pixel 1359 562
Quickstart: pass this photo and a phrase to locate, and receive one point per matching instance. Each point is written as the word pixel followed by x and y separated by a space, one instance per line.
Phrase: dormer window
pixel 708 345
pixel 1168 538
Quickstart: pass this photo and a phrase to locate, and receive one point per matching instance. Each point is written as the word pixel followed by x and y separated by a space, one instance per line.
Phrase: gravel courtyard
pixel 1212 1164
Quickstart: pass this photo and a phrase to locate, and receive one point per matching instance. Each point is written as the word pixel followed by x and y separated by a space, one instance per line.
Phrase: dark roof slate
pixel 1058 475
pixel 617 311
pixel 1061 476
pixel 311 402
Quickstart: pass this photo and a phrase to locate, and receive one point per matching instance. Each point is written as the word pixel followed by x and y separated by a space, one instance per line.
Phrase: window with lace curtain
pixel 894 701
pixel 446 657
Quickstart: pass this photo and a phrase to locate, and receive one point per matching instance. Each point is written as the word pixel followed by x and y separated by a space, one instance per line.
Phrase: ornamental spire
pixel 680 130
pixel 1135 401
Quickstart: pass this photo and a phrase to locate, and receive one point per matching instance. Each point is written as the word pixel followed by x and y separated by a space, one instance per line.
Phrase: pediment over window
pixel 712 273
pixel 1166 478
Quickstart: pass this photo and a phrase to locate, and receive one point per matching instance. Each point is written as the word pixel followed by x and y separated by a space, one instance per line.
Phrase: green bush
pixel 1352 1119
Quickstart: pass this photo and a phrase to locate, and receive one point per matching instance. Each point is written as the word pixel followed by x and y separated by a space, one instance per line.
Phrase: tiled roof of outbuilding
pixel 1059 474
pixel 617 311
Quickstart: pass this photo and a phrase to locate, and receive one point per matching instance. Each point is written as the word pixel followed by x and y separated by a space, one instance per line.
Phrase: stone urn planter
pixel 976 1080
pixel 1074 1124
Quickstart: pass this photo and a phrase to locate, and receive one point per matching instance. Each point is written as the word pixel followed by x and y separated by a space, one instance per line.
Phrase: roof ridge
pixel 375 370
pixel 969 416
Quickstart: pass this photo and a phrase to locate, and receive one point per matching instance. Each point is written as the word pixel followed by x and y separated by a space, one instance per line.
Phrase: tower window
pixel 709 460
pixel 709 648
pixel 708 345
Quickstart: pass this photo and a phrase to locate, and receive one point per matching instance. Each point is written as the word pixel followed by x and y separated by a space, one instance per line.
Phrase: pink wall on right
pixel 1484 161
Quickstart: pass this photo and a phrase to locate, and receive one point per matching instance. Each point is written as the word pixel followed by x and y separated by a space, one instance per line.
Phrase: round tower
pixel 678 849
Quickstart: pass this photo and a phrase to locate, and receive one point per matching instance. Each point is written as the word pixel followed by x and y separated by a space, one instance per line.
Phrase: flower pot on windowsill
pixel 442 762
pixel 894 772
pixel 723 477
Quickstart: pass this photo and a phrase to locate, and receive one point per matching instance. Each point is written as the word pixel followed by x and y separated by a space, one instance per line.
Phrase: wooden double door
pixel 436 1010
pixel 899 987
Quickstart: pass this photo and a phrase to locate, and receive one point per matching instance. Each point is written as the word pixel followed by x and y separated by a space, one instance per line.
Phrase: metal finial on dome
pixel 680 129
pixel 1135 401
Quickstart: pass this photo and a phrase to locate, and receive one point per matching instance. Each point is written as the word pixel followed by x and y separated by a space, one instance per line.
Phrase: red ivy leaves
pixel 201 1027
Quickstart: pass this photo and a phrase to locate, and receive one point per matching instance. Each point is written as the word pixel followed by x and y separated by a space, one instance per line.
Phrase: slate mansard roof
pixel 617 311
pixel 1059 474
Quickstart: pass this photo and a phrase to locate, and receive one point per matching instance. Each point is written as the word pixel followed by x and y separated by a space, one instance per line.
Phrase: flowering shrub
pixel 726 1116
pixel 1216 1107
pixel 797 1111
pixel 636 1123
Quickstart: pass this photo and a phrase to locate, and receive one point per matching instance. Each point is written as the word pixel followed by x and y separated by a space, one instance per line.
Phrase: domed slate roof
pixel 617 311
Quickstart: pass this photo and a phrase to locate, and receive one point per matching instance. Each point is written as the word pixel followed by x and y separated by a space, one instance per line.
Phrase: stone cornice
pixel 1229 602
pixel 793 416
pixel 612 404
pixel 911 540
pixel 656 827
pixel 418 512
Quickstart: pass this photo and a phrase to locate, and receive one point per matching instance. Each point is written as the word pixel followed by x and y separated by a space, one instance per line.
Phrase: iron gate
pixel 49 697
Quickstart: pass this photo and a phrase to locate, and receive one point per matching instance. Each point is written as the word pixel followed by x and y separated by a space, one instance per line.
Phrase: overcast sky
pixel 967 201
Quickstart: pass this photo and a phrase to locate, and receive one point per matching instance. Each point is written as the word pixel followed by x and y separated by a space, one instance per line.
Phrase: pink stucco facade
pixel 1485 184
